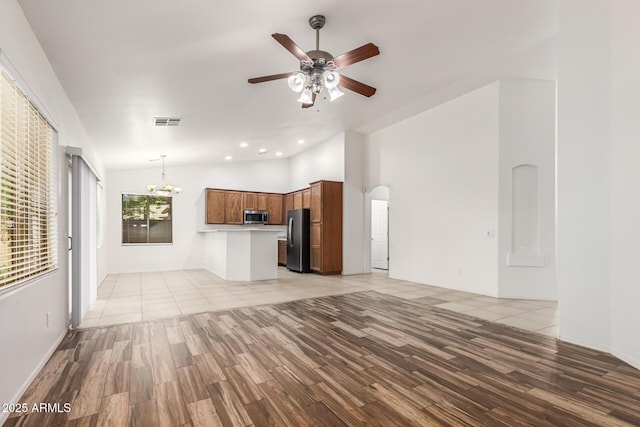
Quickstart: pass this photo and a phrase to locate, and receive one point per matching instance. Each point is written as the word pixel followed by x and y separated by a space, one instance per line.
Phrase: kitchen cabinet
pixel 233 211
pixel 306 198
pixel 275 209
pixel 263 201
pixel 255 201
pixel 215 206
pixel 282 252
pixel 326 227
pixel 250 201
pixel 288 204
pixel 297 200
pixel 315 203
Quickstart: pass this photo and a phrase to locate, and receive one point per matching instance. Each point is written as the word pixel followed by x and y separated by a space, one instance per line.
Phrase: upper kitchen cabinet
pixel 250 201
pixel 215 206
pixel 297 200
pixel 288 203
pixel 233 209
pixel 263 202
pixel 326 227
pixel 274 208
pixel 306 198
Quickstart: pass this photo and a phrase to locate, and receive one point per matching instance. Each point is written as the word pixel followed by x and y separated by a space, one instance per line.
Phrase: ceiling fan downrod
pixel 317 22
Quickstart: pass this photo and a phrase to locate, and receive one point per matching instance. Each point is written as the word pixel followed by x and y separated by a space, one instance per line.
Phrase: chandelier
pixel 163 189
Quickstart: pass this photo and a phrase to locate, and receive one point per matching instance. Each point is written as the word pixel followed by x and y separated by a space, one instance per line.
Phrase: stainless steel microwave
pixel 256 217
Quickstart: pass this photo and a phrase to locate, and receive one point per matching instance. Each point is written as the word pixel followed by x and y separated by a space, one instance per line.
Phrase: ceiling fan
pixel 318 68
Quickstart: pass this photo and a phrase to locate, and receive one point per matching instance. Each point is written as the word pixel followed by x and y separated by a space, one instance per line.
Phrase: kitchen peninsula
pixel 242 254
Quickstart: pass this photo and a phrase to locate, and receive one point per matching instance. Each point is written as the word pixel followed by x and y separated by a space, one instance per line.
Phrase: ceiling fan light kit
pixel 318 68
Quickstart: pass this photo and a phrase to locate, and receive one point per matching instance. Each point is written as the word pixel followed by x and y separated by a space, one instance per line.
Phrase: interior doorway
pixel 379 246
pixel 380 234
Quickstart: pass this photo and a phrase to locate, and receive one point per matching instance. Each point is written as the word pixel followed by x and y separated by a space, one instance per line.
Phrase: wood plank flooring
pixel 348 360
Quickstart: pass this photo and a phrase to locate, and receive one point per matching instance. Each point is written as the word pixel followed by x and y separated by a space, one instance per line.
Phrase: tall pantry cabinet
pixel 326 227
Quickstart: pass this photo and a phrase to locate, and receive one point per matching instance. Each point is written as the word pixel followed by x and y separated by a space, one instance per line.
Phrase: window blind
pixel 28 215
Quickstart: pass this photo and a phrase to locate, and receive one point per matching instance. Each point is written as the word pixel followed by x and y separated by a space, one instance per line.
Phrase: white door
pixel 380 234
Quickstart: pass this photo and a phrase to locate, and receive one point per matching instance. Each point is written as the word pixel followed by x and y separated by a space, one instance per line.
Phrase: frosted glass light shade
pixel 306 96
pixel 296 82
pixel 331 79
pixel 334 93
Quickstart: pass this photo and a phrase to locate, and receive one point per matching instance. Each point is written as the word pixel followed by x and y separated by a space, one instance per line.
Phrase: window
pixel 146 219
pixel 28 199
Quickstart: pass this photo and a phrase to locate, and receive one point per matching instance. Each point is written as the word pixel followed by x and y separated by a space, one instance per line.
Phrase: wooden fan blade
pixel 291 46
pixel 356 55
pixel 313 101
pixel 271 77
pixel 356 86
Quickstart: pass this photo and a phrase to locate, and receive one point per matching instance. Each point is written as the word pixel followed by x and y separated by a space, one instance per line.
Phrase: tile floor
pixel 125 298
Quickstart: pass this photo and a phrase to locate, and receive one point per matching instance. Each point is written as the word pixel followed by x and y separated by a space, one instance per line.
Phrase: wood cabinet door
pixel 250 201
pixel 315 234
pixel 275 209
pixel 315 261
pixel 316 202
pixel 234 214
pixel 215 207
pixel 263 201
pixel 306 198
pixel 288 203
pixel 297 200
pixel 315 246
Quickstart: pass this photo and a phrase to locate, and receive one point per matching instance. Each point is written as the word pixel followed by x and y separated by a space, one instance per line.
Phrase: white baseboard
pixel 34 374
pixel 627 359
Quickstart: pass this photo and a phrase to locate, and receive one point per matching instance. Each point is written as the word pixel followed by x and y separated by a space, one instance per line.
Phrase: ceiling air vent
pixel 166 121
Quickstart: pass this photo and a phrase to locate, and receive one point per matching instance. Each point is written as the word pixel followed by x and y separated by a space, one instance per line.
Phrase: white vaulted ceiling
pixel 124 62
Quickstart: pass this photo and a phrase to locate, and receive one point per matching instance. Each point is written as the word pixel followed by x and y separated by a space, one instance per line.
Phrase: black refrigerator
pixel 298 259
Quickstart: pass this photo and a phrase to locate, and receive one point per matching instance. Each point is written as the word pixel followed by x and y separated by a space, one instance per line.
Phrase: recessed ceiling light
pixel 301 141
pixel 262 151
pixel 228 157
pixel 243 145
pixel 279 153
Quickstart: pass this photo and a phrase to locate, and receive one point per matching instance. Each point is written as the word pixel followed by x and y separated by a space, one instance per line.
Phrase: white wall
pixel 187 250
pixel 353 211
pixel 26 341
pixel 442 170
pixel 583 165
pixel 625 176
pixel 324 160
pixel 598 201
pixel 527 137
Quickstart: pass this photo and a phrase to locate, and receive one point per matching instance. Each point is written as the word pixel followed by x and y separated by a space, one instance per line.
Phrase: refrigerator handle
pixel 290 233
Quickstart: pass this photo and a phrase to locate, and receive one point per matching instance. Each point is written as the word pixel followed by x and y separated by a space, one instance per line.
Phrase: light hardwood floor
pixel 363 358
